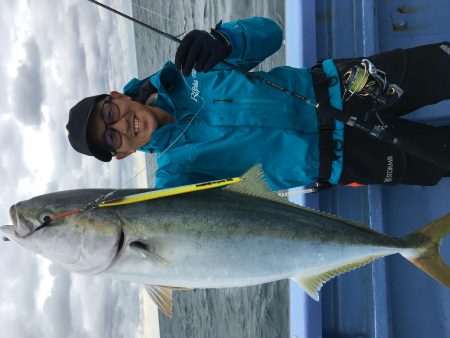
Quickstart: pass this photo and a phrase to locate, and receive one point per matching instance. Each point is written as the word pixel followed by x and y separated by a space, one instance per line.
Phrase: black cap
pixel 78 129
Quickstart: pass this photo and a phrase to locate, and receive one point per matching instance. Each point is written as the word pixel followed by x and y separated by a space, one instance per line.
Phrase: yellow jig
pixel 168 192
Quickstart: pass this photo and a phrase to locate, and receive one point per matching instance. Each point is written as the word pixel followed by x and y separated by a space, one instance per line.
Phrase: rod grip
pixel 425 154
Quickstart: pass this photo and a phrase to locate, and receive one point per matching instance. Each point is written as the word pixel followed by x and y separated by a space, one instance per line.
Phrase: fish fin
pixel 313 284
pixel 146 250
pixel 426 256
pixel 254 184
pixel 162 297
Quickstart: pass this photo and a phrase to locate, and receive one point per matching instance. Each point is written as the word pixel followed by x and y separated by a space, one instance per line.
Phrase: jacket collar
pixel 174 96
pixel 160 139
pixel 164 81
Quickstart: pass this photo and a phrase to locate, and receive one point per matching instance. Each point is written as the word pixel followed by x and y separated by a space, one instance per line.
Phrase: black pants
pixel 424 75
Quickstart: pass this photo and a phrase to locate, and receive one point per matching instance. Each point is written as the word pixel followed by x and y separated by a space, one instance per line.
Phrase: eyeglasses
pixel 111 114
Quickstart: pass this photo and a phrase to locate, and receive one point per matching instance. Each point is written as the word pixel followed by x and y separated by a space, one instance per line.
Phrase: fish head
pixel 85 242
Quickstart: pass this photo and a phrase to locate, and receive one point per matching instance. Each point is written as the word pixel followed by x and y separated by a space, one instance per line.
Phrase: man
pixel 209 121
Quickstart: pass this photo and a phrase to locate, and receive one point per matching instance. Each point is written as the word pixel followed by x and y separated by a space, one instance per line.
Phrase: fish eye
pixel 45 218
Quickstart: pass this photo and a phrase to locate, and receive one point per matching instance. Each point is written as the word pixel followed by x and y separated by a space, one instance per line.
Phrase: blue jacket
pixel 227 122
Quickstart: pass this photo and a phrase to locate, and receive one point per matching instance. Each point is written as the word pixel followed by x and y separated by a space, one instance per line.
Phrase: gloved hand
pixel 202 49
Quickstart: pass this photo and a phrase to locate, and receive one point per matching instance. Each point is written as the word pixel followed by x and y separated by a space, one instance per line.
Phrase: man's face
pixel 122 123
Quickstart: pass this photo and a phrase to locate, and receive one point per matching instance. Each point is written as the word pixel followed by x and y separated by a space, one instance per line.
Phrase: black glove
pixel 202 49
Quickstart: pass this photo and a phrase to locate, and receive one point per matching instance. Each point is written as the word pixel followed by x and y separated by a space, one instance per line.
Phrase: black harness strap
pixel 327 145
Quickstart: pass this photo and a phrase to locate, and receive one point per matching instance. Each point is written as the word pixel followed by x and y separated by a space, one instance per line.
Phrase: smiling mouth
pixel 137 126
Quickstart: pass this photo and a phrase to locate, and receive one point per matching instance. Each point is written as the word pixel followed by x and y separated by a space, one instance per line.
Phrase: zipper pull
pixel 222 100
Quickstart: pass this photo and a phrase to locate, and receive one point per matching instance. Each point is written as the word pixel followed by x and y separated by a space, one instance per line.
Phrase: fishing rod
pixel 381 133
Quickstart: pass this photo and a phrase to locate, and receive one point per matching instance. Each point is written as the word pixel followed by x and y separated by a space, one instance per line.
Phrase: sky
pixel 53 54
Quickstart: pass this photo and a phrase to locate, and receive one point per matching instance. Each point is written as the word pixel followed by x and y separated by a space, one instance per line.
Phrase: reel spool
pixel 366 81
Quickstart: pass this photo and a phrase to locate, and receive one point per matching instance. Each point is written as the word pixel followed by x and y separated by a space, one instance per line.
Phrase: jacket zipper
pixel 224 101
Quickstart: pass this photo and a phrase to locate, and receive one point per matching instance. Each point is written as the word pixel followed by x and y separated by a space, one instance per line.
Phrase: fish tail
pixel 426 243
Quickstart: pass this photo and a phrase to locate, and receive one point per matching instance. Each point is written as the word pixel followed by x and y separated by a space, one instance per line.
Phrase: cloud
pixel 72 51
pixel 12 165
pixel 8 10
pixel 27 92
pixel 57 305
pixel 18 312
pixel 111 307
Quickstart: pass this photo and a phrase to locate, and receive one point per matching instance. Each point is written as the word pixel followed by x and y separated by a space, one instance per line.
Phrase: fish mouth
pixel 13 214
pixel 21 226
pixel 7 230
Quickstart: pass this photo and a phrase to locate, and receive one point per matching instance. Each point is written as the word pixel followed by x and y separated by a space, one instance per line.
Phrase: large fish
pixel 237 236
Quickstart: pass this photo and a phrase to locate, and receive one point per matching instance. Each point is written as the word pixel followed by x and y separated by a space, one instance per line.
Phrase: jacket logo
pixel 194 90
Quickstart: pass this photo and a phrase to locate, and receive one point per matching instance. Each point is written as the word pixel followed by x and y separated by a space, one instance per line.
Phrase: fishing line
pixel 379 132
pixel 190 121
pixel 162 16
pixel 153 12
pixel 251 75
pixel 295 191
pixel 348 120
pixel 103 198
pixel 173 38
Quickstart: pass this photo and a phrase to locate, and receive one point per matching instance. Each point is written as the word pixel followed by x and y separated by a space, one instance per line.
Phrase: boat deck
pixel 390 298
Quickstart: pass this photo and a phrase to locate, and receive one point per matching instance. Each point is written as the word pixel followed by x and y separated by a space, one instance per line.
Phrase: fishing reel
pixel 366 81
